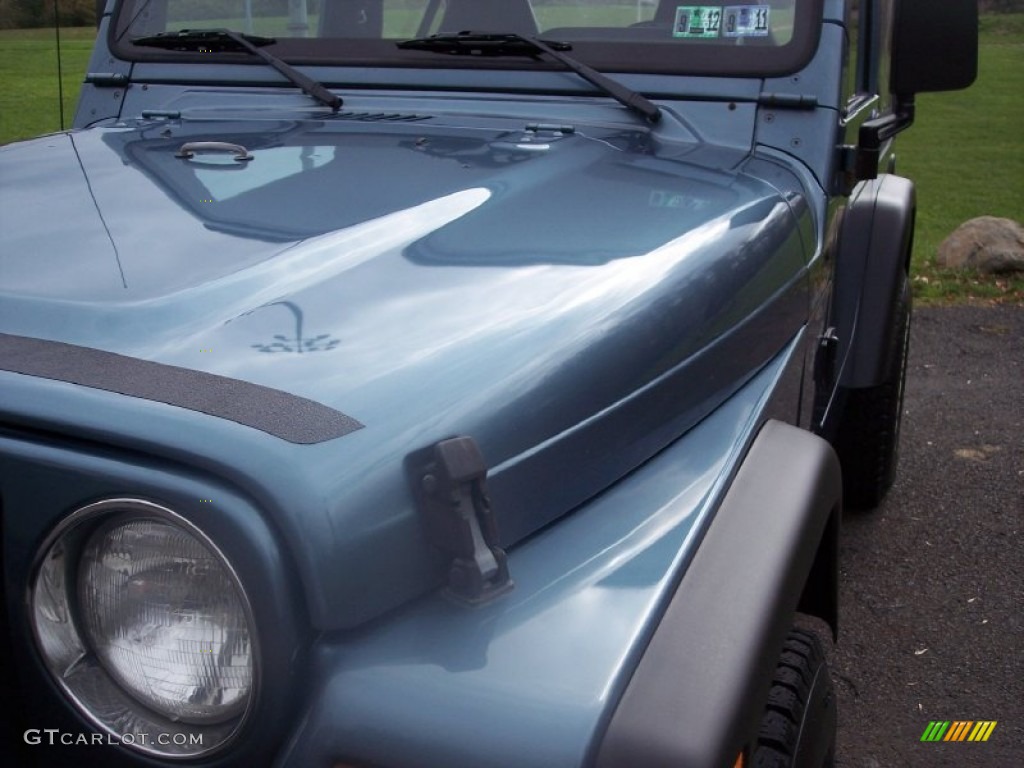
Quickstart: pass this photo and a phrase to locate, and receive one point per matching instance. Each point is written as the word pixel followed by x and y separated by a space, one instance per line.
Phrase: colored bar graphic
pixel 958 730
pixel 982 730
pixel 935 730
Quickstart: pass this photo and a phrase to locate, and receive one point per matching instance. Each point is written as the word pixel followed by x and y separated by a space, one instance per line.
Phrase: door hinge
pixel 449 482
pixel 825 359
pixel 846 170
pixel 824 374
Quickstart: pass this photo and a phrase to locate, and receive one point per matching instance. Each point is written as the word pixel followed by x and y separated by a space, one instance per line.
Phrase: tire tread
pixel 868 438
pixel 801 658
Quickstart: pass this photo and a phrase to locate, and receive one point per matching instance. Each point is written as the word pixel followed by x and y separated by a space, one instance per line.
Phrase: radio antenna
pixel 60 73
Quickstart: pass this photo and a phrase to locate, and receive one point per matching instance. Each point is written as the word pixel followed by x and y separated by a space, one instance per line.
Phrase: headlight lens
pixel 165 620
pixel 144 624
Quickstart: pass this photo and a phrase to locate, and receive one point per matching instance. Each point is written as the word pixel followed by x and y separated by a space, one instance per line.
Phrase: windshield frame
pixel 691 58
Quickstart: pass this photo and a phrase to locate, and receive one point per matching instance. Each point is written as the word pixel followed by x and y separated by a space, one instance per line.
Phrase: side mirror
pixel 934 46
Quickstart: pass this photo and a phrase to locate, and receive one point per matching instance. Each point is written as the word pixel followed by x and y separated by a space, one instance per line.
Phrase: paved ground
pixel 932 583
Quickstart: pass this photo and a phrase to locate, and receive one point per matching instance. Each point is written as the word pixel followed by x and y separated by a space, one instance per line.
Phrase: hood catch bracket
pixel 449 481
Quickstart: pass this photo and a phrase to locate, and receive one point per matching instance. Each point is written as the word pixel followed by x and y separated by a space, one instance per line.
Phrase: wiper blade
pixel 203 40
pixel 483 44
pixel 226 40
pixel 514 44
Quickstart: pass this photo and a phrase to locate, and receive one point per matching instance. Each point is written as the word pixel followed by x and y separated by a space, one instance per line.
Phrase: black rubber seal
pixel 277 413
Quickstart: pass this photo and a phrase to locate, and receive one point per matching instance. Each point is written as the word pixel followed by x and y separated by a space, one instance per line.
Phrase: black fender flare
pixel 698 693
pixel 873 254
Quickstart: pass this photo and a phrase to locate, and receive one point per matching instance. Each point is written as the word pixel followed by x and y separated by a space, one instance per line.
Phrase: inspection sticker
pixel 745 21
pixel 697 21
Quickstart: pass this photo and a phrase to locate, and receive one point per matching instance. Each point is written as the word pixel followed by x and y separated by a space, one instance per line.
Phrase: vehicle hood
pixel 573 299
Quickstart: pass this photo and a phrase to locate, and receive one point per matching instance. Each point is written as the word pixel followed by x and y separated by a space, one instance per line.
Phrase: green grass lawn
pixel 28 70
pixel 965 150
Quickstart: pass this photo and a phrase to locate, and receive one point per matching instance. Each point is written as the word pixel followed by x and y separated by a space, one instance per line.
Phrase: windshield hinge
pixel 562 130
pixel 161 114
pixel 449 481
pixel 107 79
pixel 788 100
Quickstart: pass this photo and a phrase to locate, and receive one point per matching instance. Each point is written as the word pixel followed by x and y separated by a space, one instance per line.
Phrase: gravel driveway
pixel 932 583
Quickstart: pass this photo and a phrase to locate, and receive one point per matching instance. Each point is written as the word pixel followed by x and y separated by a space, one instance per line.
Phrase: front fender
pixel 874 254
pixel 698 693
pixel 532 678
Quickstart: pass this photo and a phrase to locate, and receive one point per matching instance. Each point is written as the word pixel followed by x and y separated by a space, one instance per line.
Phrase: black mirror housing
pixel 934 46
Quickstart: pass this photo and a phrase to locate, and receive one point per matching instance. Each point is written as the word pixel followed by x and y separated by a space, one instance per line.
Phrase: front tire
pixel 798 729
pixel 868 438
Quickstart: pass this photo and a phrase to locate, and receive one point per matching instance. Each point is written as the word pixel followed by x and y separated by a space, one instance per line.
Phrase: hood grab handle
pixel 189 149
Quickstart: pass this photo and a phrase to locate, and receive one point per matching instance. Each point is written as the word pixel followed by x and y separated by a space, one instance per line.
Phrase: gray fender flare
pixel 698 693
pixel 872 256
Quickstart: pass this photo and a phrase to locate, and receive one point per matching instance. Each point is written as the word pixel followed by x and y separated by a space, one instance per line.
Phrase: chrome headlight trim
pixel 53 594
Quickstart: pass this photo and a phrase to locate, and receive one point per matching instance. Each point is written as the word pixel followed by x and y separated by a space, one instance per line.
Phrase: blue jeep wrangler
pixel 453 383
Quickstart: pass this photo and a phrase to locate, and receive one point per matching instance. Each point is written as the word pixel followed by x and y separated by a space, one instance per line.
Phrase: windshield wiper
pixel 514 44
pixel 226 40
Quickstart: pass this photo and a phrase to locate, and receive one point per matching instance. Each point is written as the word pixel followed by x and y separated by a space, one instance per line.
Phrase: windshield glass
pixel 757 38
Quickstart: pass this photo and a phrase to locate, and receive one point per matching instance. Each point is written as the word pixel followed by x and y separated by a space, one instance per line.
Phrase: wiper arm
pixel 514 44
pixel 226 40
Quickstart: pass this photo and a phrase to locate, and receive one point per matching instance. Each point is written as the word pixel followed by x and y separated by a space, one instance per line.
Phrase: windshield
pixel 665 36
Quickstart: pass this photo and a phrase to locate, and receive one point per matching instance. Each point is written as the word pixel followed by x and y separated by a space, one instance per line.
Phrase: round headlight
pixel 145 625
pixel 163 616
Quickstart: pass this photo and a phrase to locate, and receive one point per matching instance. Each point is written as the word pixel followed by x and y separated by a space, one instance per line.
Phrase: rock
pixel 987 244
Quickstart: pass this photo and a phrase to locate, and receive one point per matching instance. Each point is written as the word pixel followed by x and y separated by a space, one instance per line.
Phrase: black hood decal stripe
pixel 273 411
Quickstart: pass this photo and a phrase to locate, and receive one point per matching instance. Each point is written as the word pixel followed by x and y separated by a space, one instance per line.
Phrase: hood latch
pixel 449 481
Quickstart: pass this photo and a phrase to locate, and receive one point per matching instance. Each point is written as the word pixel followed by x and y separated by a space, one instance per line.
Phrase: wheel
pixel 798 729
pixel 867 441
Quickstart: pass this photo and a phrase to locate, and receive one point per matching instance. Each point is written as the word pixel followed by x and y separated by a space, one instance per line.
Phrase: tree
pixel 23 14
